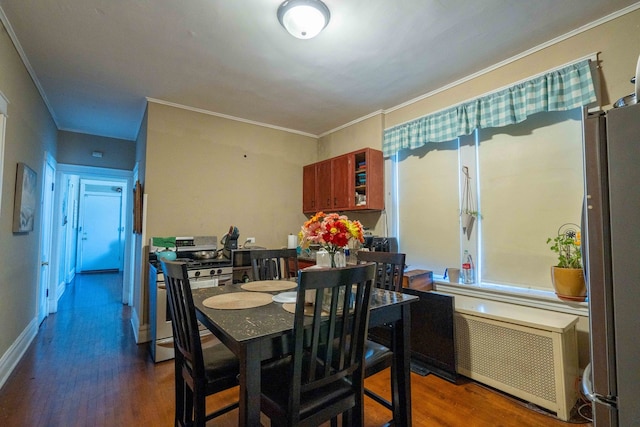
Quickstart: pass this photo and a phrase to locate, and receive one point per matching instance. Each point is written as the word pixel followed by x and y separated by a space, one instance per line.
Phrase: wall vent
pixel 536 365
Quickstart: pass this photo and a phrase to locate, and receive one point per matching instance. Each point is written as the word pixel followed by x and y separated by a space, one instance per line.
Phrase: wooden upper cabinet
pixel 352 181
pixel 323 186
pixel 340 182
pixel 309 202
pixel 367 173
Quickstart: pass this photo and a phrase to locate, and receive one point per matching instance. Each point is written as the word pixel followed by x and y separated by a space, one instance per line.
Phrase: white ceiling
pixel 96 61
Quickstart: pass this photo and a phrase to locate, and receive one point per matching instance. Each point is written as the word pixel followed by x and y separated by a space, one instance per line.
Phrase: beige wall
pixel 30 131
pixel 366 133
pixel 77 148
pixel 203 173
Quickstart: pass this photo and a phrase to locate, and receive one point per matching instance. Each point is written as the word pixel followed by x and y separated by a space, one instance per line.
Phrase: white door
pixel 100 242
pixel 45 241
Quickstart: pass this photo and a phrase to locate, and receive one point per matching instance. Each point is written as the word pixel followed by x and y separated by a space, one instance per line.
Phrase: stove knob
pixel 219 271
pixel 212 273
pixel 197 274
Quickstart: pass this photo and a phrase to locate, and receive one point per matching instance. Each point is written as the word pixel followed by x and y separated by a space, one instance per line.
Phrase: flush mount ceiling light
pixel 304 19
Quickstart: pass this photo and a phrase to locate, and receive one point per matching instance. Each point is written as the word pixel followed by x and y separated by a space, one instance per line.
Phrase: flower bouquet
pixel 330 231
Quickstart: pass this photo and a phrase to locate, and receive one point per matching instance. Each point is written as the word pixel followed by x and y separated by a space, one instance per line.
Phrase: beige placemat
pixel 237 300
pixel 308 309
pixel 269 285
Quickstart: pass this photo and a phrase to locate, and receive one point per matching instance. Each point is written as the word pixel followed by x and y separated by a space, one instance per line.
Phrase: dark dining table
pixel 262 333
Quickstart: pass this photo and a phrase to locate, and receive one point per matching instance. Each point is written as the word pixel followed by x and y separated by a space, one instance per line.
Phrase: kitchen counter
pixel 304 258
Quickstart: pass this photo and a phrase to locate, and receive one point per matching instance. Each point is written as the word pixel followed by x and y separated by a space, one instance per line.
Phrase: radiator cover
pixel 537 364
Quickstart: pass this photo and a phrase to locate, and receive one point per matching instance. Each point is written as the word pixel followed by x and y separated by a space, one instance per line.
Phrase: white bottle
pixel 468 272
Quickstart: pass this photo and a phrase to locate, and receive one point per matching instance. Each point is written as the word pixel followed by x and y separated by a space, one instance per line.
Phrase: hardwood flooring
pixel 84 369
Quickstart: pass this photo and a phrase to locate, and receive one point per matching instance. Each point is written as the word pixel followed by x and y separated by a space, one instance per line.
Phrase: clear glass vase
pixel 331 258
pixel 338 258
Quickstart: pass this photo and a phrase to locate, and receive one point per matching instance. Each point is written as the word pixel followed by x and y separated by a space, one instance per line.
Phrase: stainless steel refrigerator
pixel 611 236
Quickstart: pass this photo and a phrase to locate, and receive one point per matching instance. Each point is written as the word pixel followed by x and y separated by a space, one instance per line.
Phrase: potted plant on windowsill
pixel 568 276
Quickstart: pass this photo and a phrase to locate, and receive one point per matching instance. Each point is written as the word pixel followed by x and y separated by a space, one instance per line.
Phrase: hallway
pixel 85 369
pixel 81 367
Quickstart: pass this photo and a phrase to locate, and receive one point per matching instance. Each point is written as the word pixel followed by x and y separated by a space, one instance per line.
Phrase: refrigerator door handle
pixel 587 389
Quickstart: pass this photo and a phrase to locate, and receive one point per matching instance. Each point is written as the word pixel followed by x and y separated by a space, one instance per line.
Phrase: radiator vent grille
pixel 516 358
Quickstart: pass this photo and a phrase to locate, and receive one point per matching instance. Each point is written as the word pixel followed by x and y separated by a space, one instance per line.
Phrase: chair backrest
pixel 186 335
pixel 270 264
pixel 329 344
pixel 389 268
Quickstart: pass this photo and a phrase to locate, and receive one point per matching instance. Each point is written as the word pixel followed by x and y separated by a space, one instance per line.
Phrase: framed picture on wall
pixel 137 208
pixel 24 208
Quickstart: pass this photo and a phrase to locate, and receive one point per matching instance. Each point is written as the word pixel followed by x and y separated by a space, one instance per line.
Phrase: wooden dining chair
pixel 270 264
pixel 378 356
pixel 199 372
pixel 315 383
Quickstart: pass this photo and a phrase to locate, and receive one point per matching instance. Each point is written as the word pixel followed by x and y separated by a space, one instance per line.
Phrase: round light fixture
pixel 304 19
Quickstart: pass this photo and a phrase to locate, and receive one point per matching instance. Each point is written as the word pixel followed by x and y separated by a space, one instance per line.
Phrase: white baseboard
pixel 55 297
pixel 62 286
pixel 141 332
pixel 12 356
pixel 70 275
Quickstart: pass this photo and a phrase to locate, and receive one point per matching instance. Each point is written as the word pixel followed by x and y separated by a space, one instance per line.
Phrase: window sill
pixel 536 298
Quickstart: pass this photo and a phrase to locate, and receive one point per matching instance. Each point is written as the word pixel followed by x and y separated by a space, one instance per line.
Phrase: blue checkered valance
pixel 562 89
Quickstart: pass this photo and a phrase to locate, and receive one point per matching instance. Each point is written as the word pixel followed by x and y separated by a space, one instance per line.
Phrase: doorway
pixel 48 183
pixel 67 228
pixel 100 240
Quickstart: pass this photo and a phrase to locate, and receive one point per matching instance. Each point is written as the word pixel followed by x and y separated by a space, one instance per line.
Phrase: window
pixel 528 181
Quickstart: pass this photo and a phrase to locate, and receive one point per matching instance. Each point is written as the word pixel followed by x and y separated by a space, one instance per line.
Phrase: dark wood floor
pixel 84 369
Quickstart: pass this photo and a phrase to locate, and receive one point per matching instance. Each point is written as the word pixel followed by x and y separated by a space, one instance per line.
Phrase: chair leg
pixel 181 407
pixel 179 404
pixel 188 406
pixel 199 409
pixel 179 391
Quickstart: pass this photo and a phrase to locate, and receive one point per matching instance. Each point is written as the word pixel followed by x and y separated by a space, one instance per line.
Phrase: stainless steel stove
pixel 205 264
pixel 206 267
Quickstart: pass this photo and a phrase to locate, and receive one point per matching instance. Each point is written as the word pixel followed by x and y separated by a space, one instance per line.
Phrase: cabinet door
pixel 375 180
pixel 341 182
pixel 323 185
pixel 368 178
pixel 309 189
